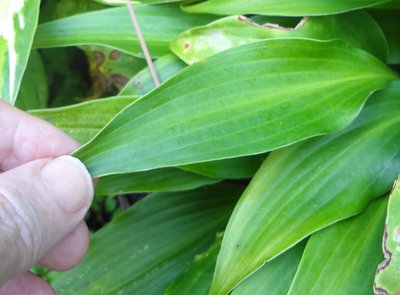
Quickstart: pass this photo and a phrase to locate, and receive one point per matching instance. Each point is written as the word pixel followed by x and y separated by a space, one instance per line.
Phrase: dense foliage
pixel 261 165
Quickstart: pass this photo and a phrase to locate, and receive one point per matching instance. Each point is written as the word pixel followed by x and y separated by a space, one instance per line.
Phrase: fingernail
pixel 70 181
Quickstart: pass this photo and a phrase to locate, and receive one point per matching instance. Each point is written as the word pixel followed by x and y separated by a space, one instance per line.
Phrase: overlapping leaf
pixel 388 272
pixel 113 27
pixel 342 258
pixel 199 43
pixel 83 121
pixel 159 180
pixel 304 188
pixel 142 83
pixel 281 7
pixel 18 21
pixel 33 93
pixel 275 277
pixel 237 103
pixel 389 21
pixel 148 246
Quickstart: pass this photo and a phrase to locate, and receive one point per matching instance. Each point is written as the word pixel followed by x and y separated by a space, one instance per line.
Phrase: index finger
pixel 24 138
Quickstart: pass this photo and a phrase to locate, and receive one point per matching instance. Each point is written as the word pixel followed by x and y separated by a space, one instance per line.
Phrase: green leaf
pixel 167 180
pixel 18 21
pixel 33 93
pixel 118 31
pixel 185 120
pixel 199 43
pixel 342 258
pixel 142 83
pixel 275 277
pixel 235 168
pixel 143 250
pixel 198 277
pixel 83 121
pixel 390 24
pixel 281 7
pixel 123 2
pixel 306 187
pixel 388 272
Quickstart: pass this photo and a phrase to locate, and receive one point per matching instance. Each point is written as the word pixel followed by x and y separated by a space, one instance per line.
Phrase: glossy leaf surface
pixel 281 7
pixel 165 180
pixel 149 245
pixel 387 279
pixel 342 258
pixel 199 43
pixel 18 21
pixel 301 189
pixel 184 121
pixel 113 27
pixel 83 121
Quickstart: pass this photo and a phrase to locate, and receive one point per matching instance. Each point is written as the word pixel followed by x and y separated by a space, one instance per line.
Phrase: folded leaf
pixel 237 103
pixel 281 7
pixel 143 250
pixel 142 83
pixel 159 180
pixel 199 43
pixel 113 27
pixel 301 189
pixel 388 272
pixel 342 258
pixel 18 21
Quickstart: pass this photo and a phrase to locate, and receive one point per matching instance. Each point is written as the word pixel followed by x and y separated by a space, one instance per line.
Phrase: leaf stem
pixel 143 43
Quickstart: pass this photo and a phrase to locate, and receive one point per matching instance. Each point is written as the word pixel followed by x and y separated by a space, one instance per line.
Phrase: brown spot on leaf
pixel 115 54
pixel 99 58
pixel 186 45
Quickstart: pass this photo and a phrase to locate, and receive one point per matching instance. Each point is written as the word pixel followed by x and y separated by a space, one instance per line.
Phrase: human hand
pixel 43 200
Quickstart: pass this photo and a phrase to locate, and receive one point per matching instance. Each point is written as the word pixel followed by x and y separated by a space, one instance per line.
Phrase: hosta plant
pixel 265 159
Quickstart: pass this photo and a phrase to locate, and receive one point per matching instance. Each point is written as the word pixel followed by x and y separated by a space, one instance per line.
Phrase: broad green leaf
pixel 198 277
pixel 199 43
pixel 390 24
pixel 275 277
pixel 281 7
pixel 33 93
pixel 142 83
pixel 18 21
pixel 301 189
pixel 83 121
pixel 159 180
pixel 113 27
pixel 238 103
pixel 235 168
pixel 387 279
pixel 143 250
pixel 342 258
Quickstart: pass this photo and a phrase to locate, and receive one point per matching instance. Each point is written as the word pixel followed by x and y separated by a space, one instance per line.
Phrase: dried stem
pixel 143 43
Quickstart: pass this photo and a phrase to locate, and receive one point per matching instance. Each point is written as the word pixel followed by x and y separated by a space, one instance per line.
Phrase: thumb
pixel 40 203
